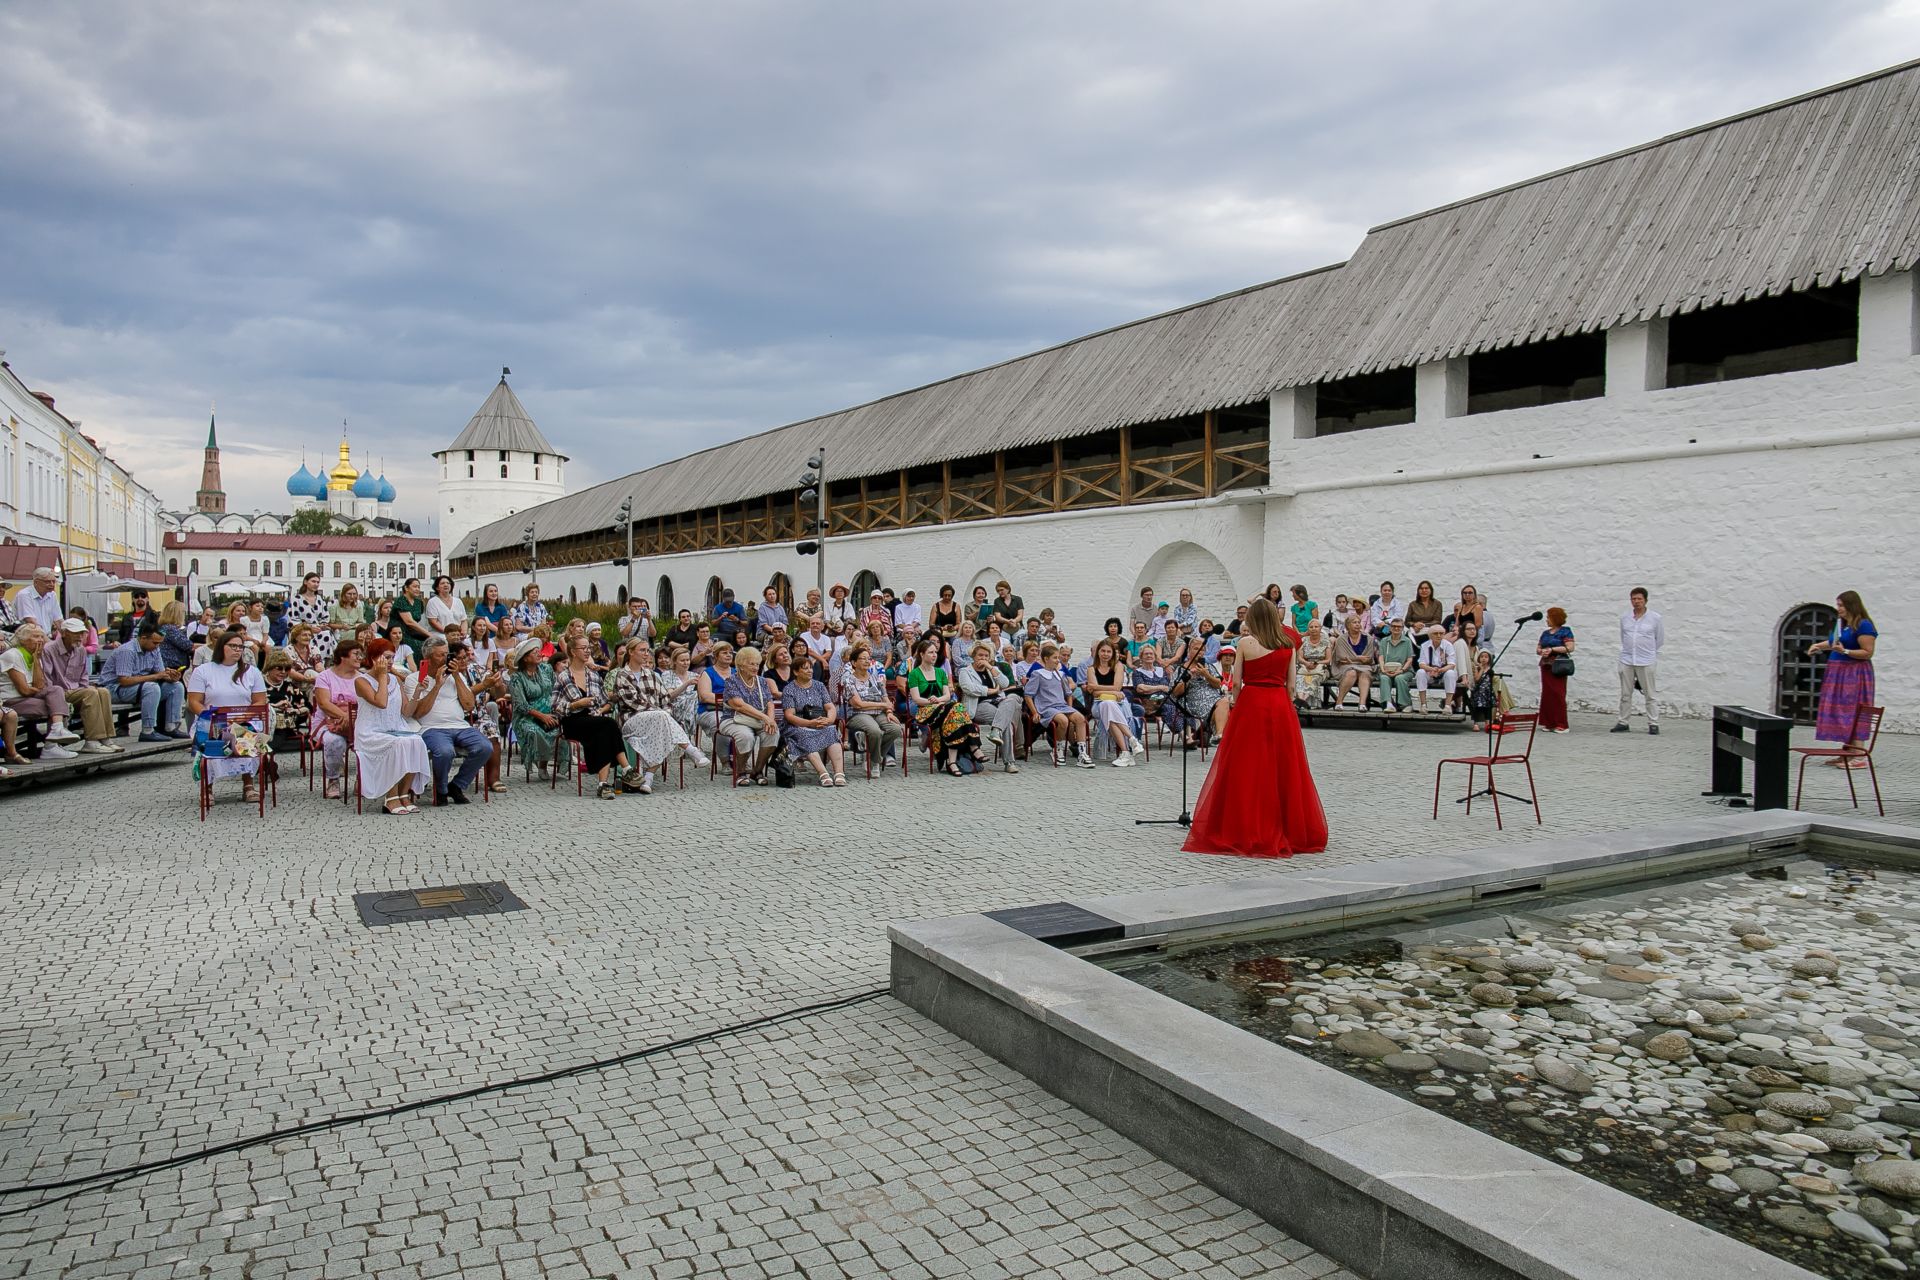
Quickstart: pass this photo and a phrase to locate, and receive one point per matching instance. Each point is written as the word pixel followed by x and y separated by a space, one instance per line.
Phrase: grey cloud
pixel 684 223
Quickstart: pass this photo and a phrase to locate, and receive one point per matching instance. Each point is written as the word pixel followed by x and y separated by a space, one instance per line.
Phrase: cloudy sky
pixel 683 223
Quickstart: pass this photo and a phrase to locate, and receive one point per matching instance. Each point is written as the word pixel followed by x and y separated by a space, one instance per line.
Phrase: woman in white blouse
pixel 228 680
pixel 445 610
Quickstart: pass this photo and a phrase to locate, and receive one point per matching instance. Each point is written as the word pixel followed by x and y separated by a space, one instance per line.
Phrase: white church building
pixel 1689 366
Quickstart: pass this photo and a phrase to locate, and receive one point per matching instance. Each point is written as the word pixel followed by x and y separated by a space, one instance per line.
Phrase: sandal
pixel 497 788
pixel 826 780
pixel 839 779
pixel 954 769
pixel 387 806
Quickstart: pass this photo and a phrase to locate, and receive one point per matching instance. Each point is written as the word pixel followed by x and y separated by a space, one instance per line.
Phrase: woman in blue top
pixel 1555 642
pixel 1846 690
pixel 491 607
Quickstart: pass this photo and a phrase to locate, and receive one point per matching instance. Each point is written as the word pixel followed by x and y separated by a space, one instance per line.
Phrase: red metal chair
pixel 266 775
pixel 1527 722
pixel 1846 756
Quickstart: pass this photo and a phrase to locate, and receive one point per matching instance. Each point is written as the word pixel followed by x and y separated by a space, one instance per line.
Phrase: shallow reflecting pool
pixel 1736 1047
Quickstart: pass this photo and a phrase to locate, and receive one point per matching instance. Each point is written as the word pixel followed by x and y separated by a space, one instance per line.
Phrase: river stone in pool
pixel 1365 1044
pixel 1605 990
pixel 1895 1177
pixel 1461 1060
pixel 1529 964
pixel 1815 967
pixel 1868 1025
pixel 1834 1073
pixel 1562 1074
pixel 1715 1011
pixel 1670 1046
pixel 1800 1221
pixel 1848 1140
pixel 1801 1106
pixel 1491 993
pixel 1755 1182
pixel 1903 1114
pixel 1412 1063
pixel 1702 991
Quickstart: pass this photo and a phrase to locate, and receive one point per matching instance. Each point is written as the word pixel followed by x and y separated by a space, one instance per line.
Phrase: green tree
pixel 311 520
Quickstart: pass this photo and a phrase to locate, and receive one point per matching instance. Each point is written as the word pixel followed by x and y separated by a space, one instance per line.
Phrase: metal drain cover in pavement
pixel 447 902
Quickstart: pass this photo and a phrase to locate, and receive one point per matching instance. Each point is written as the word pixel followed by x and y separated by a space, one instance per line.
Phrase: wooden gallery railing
pixel 1124 467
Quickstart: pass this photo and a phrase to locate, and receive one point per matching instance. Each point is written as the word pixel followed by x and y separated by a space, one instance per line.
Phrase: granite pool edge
pixel 1384 1186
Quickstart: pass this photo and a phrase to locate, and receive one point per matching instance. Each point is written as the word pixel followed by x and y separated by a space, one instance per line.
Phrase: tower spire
pixel 210 497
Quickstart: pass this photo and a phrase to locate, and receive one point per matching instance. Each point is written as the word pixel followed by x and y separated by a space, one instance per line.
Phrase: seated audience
pixel 1313 665
pixel 135 676
pixel 1396 666
pixel 25 688
pixel 869 708
pixel 388 750
pixel 647 723
pixel 1201 687
pixel 1425 611
pixel 987 693
pixel 579 695
pixel 951 733
pixel 1356 659
pixel 227 681
pixel 63 664
pixel 1436 665
pixel 444 703
pixel 811 725
pixel 1050 697
pixel 752 728
pixel 536 725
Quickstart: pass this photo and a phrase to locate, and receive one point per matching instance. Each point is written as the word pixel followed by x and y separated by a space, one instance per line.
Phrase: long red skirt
pixel 1553 698
pixel 1259 800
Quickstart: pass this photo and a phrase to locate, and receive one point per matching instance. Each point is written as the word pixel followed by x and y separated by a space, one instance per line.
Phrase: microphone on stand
pixel 1535 616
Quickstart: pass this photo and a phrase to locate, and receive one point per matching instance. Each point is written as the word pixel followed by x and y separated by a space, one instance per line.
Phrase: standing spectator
pixel 491 607
pixel 1438 664
pixel 877 611
pixel 1472 607
pixel 346 617
pixel 771 614
pixel 63 665
pixel 444 610
pixel 729 619
pixel 307 606
pixel 137 616
pixel 1008 607
pixel 637 622
pixel 839 608
pixel 1556 664
pixel 1425 611
pixel 682 632
pixel 1382 612
pixel 1184 613
pixel 1396 666
pixel 1302 611
pixel 134 675
pixel 1142 612
pixel 39 602
pixel 530 613
pixel 1642 632
pixel 1846 690
pixel 410 613
pixel 906 614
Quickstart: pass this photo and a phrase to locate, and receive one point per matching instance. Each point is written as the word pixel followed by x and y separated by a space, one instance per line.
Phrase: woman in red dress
pixel 1259 800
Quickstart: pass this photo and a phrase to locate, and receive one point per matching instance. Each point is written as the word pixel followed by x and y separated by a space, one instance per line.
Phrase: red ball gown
pixel 1259 801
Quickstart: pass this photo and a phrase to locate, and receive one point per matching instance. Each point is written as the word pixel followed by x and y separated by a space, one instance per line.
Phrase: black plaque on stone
pixel 442 902
pixel 1059 924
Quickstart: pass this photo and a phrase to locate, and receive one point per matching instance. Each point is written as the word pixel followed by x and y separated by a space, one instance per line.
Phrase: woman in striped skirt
pixel 1846 690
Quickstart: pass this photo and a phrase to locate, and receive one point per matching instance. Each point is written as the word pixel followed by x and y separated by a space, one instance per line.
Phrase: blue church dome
pixel 387 493
pixel 366 486
pixel 304 484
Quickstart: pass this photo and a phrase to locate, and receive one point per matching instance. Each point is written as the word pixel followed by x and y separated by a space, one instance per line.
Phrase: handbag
pixel 1562 665
pixel 782 766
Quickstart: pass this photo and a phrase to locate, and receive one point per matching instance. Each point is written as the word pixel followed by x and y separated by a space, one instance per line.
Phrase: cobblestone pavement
pixel 172 985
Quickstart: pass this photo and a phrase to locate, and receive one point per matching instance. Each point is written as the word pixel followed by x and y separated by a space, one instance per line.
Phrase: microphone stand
pixel 1185 820
pixel 1488 790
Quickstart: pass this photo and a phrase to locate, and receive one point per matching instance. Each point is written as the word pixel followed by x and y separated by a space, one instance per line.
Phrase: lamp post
pixel 624 518
pixel 813 485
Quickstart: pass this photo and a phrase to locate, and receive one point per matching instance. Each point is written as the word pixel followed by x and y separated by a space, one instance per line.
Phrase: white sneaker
pixel 1139 747
pixel 1084 760
pixel 1056 759
pixel 1012 767
pixel 1123 761
pixel 699 758
pixel 51 751
pixel 993 736
pixel 95 749
pixel 60 733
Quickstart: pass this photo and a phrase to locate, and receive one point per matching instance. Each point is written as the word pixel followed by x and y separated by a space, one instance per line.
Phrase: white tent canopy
pixel 238 588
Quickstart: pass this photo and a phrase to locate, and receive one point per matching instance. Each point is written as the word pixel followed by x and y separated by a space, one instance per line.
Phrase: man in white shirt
pixel 40 602
pixel 1437 665
pixel 445 699
pixel 1642 632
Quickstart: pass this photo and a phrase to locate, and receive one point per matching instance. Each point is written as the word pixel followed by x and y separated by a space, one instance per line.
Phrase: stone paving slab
pixel 171 985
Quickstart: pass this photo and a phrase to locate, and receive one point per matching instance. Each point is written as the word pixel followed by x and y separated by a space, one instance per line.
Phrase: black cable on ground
pixel 106 1178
